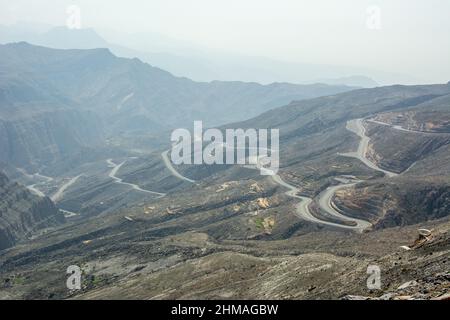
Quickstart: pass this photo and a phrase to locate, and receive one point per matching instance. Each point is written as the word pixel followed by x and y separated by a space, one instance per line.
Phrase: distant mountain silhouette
pixel 198 63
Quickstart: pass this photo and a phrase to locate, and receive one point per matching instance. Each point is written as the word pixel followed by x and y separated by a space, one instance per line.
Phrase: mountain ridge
pixel 123 96
pixel 23 214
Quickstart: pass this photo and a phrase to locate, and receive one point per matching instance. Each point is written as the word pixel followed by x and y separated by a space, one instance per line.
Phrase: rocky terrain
pixel 363 176
pixel 54 103
pixel 22 214
pixel 220 249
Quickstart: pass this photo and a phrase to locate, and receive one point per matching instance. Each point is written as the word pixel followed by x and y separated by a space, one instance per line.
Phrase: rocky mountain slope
pixel 314 139
pixel 23 214
pixel 55 102
pixel 212 245
pixel 360 173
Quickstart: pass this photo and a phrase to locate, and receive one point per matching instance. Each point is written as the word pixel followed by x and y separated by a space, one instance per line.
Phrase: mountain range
pixel 56 101
pixel 195 62
pixel 363 180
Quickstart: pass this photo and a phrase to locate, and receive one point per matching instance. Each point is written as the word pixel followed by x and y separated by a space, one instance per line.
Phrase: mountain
pixel 53 37
pixel 409 138
pixel 314 142
pixel 407 129
pixel 355 81
pixel 195 62
pixel 54 102
pixel 363 180
pixel 33 137
pixel 64 38
pixel 23 214
pixel 235 224
pixel 408 185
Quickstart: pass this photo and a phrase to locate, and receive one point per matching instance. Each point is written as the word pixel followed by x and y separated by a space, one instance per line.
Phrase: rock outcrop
pixel 22 213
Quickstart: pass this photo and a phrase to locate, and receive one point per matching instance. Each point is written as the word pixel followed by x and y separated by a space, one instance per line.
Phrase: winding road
pixel 36 191
pixel 325 198
pixel 116 168
pixel 302 209
pixel 173 171
pixel 325 201
pixel 69 214
pixel 400 128
pixel 33 187
pixel 356 126
pixel 60 193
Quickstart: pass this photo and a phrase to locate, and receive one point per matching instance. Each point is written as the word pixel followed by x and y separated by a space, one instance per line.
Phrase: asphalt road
pixel 356 126
pixel 302 209
pixel 116 168
pixel 173 171
pixel 59 194
pixel 400 128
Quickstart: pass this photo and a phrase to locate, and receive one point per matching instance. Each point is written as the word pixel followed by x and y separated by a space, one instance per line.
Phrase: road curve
pixel 47 178
pixel 326 203
pixel 400 128
pixel 116 168
pixel 33 187
pixel 35 190
pixel 175 173
pixel 59 194
pixel 302 210
pixel 69 214
pixel 326 198
pixel 168 164
pixel 356 126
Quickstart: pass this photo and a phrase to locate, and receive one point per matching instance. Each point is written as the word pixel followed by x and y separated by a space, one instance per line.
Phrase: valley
pixel 361 170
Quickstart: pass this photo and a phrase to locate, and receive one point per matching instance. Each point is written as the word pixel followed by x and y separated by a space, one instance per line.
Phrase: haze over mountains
pixel 361 170
pixel 57 101
pixel 199 64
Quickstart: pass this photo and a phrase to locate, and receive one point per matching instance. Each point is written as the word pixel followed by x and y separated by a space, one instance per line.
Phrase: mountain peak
pixel 20 44
pixel 65 38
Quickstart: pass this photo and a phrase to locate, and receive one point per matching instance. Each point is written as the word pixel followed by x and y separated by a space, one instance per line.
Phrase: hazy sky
pixel 410 36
